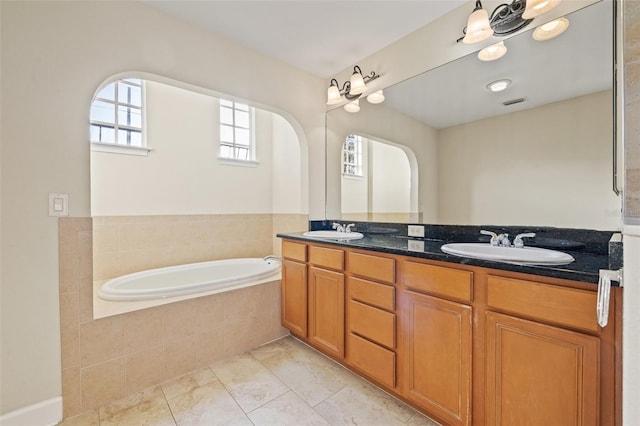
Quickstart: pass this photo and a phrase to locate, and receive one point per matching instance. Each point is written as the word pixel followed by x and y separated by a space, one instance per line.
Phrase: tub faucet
pixel 272 257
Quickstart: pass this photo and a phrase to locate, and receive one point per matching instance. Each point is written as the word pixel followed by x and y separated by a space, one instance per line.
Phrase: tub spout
pixel 273 257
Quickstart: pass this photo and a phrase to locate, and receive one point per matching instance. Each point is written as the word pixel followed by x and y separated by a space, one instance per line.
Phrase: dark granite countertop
pixel 590 249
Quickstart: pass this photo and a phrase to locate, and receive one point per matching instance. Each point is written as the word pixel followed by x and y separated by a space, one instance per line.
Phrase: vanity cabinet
pixel 326 300
pixel 371 317
pixel 294 288
pixel 436 328
pixel 543 361
pixel 466 345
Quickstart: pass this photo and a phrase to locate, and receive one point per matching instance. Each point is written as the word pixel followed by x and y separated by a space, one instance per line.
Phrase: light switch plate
pixel 58 204
pixel 415 231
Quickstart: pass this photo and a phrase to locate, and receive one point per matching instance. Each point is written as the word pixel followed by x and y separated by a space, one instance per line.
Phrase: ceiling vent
pixel 514 101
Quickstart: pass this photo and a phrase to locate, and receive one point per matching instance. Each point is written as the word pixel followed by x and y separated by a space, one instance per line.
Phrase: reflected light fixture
pixel 376 97
pixel 551 29
pixel 499 85
pixel 493 52
pixel 351 89
pixel 353 106
pixel 536 8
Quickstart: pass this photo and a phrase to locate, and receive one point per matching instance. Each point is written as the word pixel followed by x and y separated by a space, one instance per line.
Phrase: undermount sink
pixel 523 255
pixel 334 235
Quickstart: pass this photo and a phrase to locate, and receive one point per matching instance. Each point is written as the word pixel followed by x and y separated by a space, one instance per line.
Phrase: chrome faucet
pixel 495 238
pixel 348 227
pixel 338 227
pixel 517 241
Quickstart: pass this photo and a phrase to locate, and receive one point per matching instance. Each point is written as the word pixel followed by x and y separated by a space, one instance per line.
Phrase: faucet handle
pixel 338 227
pixel 495 240
pixel 348 227
pixel 517 241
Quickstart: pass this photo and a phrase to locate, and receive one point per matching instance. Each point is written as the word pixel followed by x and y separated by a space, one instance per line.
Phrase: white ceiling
pixel 321 37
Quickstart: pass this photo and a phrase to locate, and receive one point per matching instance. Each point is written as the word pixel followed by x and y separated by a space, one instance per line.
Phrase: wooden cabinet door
pixel 436 338
pixel 326 310
pixel 539 374
pixel 294 297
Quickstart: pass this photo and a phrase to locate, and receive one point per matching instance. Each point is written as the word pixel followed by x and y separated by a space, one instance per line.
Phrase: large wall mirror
pixel 537 153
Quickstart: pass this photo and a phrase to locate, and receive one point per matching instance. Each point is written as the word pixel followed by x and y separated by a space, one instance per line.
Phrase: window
pixel 116 114
pixel 352 156
pixel 236 131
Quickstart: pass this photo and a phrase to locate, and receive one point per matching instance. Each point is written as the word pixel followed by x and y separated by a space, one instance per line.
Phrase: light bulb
pixel 376 97
pixel 478 27
pixel 536 8
pixel 551 29
pixel 357 84
pixel 493 52
pixel 353 106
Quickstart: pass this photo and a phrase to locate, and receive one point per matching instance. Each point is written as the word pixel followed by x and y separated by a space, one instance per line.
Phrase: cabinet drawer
pixel 294 251
pixel 371 359
pixel 374 267
pixel 380 295
pixel 438 280
pixel 559 305
pixel 373 323
pixel 329 258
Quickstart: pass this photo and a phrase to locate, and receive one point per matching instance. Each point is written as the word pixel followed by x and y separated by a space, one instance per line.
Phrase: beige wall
pixel 543 166
pixel 54 56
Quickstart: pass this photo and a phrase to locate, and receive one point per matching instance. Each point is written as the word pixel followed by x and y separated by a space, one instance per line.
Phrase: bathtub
pixel 203 277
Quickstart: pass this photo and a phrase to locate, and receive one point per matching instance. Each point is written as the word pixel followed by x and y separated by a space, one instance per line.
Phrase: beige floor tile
pixel 88 418
pixel 188 382
pixel 285 410
pixel 419 419
pixel 352 406
pixel 248 381
pixel 391 405
pixel 309 374
pixel 148 407
pixel 210 404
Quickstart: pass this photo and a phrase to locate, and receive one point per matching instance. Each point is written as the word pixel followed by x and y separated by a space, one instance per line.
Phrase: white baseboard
pixel 45 413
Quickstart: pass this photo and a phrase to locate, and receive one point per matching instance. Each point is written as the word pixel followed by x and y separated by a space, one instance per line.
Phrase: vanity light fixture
pixel 376 97
pixel 551 29
pixel 504 20
pixel 351 89
pixel 499 85
pixel 493 52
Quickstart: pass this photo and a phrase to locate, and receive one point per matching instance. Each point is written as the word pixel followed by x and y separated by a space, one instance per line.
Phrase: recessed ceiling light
pixel 499 85
pixel 493 52
pixel 551 29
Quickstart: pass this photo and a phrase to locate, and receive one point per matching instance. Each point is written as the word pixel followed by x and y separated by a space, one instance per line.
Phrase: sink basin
pixel 524 255
pixel 334 235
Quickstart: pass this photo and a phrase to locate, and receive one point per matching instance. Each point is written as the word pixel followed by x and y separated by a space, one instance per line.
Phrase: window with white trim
pixel 237 131
pixel 117 114
pixel 352 156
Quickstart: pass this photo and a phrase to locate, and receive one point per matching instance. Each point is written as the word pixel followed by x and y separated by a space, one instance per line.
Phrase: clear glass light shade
pixel 478 27
pixel 493 52
pixel 376 97
pixel 551 29
pixel 536 8
pixel 357 84
pixel 353 106
pixel 333 95
pixel 498 85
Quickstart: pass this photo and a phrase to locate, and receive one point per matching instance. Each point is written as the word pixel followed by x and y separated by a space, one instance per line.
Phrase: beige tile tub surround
pixel 632 111
pixel 112 358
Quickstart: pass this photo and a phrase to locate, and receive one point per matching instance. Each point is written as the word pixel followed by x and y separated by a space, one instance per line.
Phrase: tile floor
pixel 281 383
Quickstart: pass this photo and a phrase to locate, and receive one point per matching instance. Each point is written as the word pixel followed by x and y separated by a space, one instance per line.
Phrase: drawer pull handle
pixel 604 291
